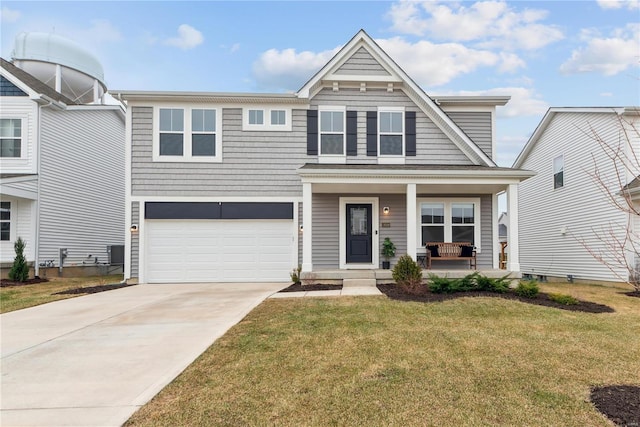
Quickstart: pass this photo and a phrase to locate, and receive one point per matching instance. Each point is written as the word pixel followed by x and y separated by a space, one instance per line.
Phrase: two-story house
pixel 575 222
pixel 61 159
pixel 246 186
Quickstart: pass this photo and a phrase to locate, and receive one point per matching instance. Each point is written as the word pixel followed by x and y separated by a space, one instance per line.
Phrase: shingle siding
pixel 9 89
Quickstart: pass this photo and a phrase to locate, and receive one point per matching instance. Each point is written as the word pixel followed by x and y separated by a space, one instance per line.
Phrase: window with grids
pixel 462 222
pixel 391 133
pixel 10 138
pixel 432 222
pixel 256 117
pixel 449 220
pixel 332 139
pixel 5 221
pixel 203 132
pixel 171 132
pixel 278 117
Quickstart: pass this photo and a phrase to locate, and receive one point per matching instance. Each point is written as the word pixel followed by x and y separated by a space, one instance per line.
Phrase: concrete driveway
pixel 94 360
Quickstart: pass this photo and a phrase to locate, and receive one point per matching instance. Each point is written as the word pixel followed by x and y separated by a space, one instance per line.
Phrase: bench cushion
pixel 467 251
pixel 434 250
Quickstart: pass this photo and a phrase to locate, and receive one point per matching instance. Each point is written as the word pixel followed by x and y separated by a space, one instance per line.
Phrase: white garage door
pixel 218 251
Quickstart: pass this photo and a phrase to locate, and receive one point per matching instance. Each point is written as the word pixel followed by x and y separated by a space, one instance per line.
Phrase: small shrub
pixel 527 289
pixel 464 284
pixel 295 275
pixel 563 299
pixel 408 275
pixel 489 284
pixel 440 285
pixel 20 269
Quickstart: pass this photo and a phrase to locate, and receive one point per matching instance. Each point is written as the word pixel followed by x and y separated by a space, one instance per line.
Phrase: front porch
pixel 378 276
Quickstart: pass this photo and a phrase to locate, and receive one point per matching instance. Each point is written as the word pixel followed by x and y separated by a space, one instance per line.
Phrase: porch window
pixel 449 220
pixel 332 133
pixel 5 221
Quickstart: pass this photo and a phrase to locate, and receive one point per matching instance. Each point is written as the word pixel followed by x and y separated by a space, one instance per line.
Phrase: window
pixel 171 131
pixel 256 117
pixel 5 221
pixel 10 138
pixel 278 117
pixel 187 135
pixel 332 133
pixel 449 220
pixel 203 128
pixel 391 131
pixel 558 172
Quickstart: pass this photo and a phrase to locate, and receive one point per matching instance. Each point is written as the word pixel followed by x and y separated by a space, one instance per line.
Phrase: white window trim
pixel 375 238
pixel 396 159
pixel 186 149
pixel 266 124
pixel 333 158
pixel 448 201
pixel 553 174
pixel 23 131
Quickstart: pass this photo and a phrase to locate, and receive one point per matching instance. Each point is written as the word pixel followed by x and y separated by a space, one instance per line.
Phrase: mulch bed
pixel 6 283
pixel 93 289
pixel 394 292
pixel 620 403
pixel 633 294
pixel 297 287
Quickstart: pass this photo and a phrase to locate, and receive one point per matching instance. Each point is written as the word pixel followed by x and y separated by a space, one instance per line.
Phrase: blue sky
pixel 542 54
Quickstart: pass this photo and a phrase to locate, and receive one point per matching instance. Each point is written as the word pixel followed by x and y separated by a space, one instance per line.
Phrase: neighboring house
pixel 565 216
pixel 62 165
pixel 246 186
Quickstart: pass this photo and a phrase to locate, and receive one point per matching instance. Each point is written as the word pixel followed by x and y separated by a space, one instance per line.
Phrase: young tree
pixel 617 177
pixel 20 269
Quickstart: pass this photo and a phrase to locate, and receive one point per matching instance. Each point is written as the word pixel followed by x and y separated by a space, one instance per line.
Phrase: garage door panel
pixel 215 250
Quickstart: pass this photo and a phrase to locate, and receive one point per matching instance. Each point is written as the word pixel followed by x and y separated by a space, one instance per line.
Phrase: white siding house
pixel 566 219
pixel 62 174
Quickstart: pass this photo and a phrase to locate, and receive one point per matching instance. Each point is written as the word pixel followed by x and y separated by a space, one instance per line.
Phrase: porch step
pixel 359 283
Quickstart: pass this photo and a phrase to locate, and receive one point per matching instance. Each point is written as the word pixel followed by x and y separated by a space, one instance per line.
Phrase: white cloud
pixel 188 38
pixel 101 30
pixel 510 62
pixel 606 55
pixel 490 23
pixel 508 147
pixel 607 94
pixel 8 15
pixel 436 64
pixel 524 101
pixel 234 48
pixel 617 4
pixel 287 69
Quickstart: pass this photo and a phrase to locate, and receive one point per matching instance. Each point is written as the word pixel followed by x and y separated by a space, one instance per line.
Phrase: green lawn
pixel 355 361
pixel 18 297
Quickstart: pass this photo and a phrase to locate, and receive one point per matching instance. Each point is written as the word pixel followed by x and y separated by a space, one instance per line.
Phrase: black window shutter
pixel 372 133
pixel 410 133
pixel 352 133
pixel 312 132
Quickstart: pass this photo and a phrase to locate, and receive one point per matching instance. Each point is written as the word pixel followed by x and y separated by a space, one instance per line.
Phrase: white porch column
pixel 495 235
pixel 412 221
pixel 307 221
pixel 514 245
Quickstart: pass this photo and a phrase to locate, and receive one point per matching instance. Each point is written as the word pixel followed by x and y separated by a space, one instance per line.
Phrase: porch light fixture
pixel 134 228
pixel 301 228
pixel 385 210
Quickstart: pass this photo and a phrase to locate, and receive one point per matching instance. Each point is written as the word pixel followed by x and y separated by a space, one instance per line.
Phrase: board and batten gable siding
pixel 433 147
pixel 254 163
pixel 82 186
pixel 579 205
pixel 362 63
pixel 20 107
pixel 477 126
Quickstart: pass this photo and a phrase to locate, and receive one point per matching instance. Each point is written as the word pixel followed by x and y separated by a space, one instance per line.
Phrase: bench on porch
pixel 451 251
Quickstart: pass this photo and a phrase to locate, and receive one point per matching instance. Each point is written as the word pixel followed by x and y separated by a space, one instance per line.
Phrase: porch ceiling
pixel 369 188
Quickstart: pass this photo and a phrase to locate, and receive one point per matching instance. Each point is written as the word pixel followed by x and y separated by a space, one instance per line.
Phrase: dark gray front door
pixel 359 234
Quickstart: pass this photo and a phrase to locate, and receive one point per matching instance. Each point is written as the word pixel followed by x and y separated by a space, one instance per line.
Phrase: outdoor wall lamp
pixel 134 228
pixel 385 210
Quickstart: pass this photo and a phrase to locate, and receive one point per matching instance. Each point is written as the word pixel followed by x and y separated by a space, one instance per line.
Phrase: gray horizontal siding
pixel 81 184
pixel 477 126
pixel 362 63
pixel 397 219
pixel 326 249
pixel 254 163
pixel 135 240
pixel 432 145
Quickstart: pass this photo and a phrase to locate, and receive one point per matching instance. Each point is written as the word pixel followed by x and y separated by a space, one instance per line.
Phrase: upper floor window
pixel 558 172
pixel 11 138
pixel 391 131
pixel 187 134
pixel 5 221
pixel 266 119
pixel 332 138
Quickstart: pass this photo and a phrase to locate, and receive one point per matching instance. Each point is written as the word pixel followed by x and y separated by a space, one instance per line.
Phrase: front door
pixel 359 237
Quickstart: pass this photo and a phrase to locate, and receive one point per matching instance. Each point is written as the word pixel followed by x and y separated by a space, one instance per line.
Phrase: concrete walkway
pixel 94 360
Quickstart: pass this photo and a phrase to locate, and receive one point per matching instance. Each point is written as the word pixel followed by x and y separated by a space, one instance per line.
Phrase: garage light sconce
pixel 385 210
pixel 134 228
pixel 301 228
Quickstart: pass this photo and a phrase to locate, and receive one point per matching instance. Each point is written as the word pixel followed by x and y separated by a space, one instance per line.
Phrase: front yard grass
pixel 353 361
pixel 23 296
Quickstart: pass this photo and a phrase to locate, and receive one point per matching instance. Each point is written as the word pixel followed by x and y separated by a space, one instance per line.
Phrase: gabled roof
pixel 552 112
pixel 397 74
pixel 36 86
